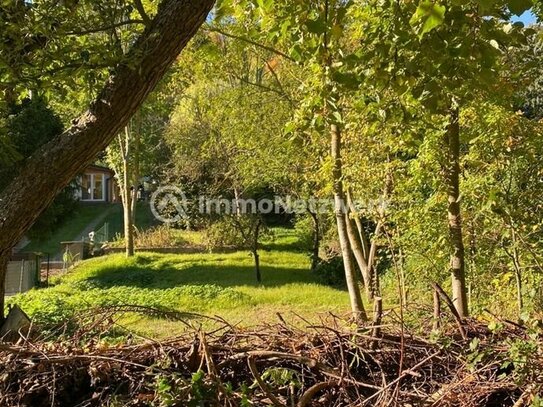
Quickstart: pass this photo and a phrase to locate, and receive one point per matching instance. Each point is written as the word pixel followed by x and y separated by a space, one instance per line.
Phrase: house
pixel 97 184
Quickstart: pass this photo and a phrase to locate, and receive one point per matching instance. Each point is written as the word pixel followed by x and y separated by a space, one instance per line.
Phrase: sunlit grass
pixel 221 285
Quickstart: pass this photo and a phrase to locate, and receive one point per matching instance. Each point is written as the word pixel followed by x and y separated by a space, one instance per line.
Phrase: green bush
pixel 331 272
pixel 223 233
pixel 304 232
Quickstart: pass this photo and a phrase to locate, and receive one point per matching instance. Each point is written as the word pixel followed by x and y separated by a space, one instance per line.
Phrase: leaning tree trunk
pixel 70 153
pixel 452 139
pixel 339 200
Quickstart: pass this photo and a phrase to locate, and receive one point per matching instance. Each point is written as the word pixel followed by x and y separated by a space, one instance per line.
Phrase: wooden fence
pixel 21 276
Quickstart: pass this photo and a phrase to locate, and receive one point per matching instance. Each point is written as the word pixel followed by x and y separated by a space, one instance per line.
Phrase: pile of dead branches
pixel 329 364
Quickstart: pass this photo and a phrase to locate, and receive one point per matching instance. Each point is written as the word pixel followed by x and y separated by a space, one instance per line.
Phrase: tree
pixel 226 137
pixel 68 154
pixel 30 125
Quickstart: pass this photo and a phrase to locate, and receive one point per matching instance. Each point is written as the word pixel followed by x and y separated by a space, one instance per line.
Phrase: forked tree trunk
pixel 359 226
pixel 452 139
pixel 365 253
pixel 54 165
pixel 358 252
pixel 357 306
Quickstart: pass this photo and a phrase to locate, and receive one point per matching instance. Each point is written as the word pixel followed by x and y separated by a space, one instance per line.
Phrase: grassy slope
pixel 84 215
pixel 144 219
pixel 69 229
pixel 212 284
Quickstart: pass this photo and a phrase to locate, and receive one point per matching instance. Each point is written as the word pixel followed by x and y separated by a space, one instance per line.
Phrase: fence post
pixel 21 276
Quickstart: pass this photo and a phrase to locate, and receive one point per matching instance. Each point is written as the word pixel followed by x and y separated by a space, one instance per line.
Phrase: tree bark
pixel 359 226
pixel 127 211
pixel 53 166
pixel 136 166
pixel 357 306
pixel 127 192
pixel 452 141
pixel 358 252
pixel 316 240
pixel 255 251
pixel 365 253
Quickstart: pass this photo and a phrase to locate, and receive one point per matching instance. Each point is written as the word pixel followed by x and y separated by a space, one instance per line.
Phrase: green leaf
pixel 223 9
pixel 316 26
pixel 432 14
pixel 349 80
pixel 518 7
pixel 337 31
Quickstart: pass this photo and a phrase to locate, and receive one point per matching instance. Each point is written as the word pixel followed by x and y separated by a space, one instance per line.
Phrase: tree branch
pixel 106 28
pixel 249 41
pixel 142 13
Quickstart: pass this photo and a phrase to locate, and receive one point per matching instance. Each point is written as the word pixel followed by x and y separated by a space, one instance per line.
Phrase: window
pixel 86 187
pixel 93 187
pixel 98 188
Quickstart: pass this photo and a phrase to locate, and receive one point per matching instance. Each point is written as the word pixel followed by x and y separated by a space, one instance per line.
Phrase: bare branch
pixel 249 41
pixel 142 13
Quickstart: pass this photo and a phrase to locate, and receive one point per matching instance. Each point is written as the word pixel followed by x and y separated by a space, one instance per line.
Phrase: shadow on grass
pixel 293 246
pixel 159 273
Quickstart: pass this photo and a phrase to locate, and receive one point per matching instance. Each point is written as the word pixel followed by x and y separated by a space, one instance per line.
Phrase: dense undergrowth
pixel 496 363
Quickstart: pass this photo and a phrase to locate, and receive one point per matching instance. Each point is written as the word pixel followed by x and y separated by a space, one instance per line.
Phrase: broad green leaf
pixel 431 14
pixel 316 26
pixel 518 7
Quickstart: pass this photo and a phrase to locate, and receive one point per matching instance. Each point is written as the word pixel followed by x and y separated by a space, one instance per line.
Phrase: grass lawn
pixel 210 284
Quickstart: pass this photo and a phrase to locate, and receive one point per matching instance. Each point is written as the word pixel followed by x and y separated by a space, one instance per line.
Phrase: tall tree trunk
pixel 357 306
pixel 365 253
pixel 127 211
pixel 358 222
pixel 127 191
pixel 316 240
pixel 136 173
pixel 452 139
pixel 33 190
pixel 372 259
pixel 358 252
pixel 256 256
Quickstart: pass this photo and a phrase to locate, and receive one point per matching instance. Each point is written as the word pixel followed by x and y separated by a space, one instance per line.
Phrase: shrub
pixel 49 308
pixel 160 236
pixel 223 233
pixel 331 272
pixel 304 232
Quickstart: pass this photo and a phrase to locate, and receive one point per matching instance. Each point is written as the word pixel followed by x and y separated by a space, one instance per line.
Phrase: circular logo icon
pixel 169 204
